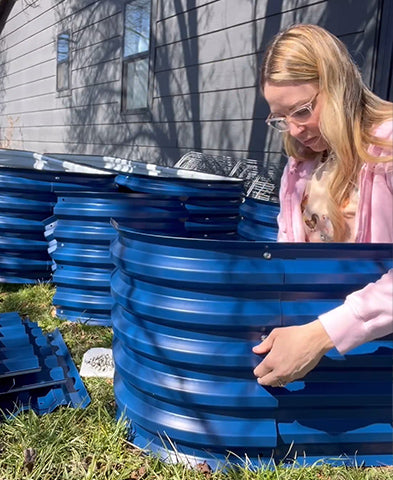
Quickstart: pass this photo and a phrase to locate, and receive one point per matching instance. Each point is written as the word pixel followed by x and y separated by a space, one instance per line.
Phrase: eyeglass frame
pixel 308 106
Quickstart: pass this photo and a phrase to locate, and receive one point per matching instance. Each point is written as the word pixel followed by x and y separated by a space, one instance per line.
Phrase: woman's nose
pixel 295 130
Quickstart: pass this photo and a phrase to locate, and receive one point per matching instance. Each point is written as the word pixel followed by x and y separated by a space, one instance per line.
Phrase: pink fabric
pixel 368 313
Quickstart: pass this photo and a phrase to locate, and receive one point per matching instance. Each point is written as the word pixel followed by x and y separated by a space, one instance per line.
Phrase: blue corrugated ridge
pixel 36 369
pixel 258 219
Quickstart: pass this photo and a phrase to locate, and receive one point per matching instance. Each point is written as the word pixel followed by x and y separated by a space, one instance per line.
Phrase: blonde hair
pixel 308 53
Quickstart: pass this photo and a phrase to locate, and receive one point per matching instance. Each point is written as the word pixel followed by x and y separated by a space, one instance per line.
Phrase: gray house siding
pixel 204 62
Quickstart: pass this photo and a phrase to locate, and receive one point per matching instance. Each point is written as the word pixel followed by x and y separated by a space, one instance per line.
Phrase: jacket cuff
pixel 345 329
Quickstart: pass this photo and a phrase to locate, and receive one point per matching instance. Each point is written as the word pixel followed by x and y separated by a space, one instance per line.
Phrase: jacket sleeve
pixel 366 314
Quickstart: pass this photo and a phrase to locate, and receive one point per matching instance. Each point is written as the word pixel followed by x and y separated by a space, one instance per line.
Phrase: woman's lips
pixel 310 141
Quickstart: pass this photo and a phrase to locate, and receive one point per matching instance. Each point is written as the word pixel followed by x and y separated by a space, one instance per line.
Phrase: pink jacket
pixel 368 313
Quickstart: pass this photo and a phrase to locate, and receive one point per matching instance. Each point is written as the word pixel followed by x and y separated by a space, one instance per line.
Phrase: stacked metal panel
pixel 28 182
pixel 82 230
pixel 36 369
pixel 24 203
pixel 187 313
pixel 258 212
pixel 258 220
pixel 150 198
pixel 212 201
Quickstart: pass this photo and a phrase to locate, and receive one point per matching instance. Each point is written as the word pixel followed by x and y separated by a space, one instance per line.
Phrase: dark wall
pixel 205 62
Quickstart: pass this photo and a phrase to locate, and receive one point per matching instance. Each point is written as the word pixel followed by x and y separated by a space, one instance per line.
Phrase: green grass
pixel 81 444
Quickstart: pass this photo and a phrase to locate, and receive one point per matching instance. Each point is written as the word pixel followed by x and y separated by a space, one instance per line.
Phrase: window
pixel 136 55
pixel 63 62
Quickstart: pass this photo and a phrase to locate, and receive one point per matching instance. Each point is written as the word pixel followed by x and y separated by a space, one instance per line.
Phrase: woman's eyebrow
pixel 297 104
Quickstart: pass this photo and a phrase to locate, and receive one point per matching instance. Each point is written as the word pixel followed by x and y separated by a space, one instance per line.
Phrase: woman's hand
pixel 291 353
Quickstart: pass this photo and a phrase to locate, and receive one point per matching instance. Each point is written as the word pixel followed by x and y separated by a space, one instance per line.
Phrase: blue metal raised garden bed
pixel 187 313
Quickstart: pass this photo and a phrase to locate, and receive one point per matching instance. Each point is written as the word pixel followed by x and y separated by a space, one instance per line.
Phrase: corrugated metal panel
pixel 23 248
pixel 212 201
pixel 28 184
pixel 83 235
pixel 82 231
pixel 36 370
pixel 258 220
pixel 187 313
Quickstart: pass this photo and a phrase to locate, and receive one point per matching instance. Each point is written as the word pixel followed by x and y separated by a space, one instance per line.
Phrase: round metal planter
pixel 187 313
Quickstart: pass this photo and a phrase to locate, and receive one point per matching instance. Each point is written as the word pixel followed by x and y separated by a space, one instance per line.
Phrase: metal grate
pixel 257 182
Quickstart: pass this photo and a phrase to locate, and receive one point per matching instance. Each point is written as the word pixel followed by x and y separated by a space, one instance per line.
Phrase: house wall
pixel 204 74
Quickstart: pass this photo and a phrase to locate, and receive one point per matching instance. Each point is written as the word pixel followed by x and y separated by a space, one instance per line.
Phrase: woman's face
pixel 285 100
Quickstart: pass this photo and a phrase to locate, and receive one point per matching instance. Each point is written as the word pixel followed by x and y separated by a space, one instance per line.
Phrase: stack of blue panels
pixel 36 370
pixel 24 203
pixel 28 182
pixel 82 230
pixel 211 201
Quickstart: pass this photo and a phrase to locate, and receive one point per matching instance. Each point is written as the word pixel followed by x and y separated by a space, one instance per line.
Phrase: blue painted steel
pixel 258 220
pixel 187 313
pixel 180 187
pixel 36 370
pixel 28 185
pixel 21 232
pixel 209 215
pixel 212 202
pixel 83 234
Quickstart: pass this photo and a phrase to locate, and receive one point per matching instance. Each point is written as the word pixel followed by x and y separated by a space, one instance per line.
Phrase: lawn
pixel 79 444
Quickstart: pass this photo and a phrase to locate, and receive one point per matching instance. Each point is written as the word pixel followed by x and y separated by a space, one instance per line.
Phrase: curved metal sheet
pixel 27 226
pixel 51 181
pixel 180 187
pixel 125 206
pixel 28 185
pixel 258 220
pixel 179 307
pixel 33 161
pixel 81 277
pixel 187 313
pixel 83 233
pixel 87 302
pixel 181 424
pixel 25 204
pixel 249 265
pixel 193 390
pixel 212 201
pixel 250 230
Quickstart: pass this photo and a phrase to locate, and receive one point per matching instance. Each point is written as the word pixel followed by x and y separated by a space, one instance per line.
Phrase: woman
pixel 336 187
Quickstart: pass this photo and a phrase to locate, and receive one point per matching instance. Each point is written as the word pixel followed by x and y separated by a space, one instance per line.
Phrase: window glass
pixel 63 47
pixel 136 84
pixel 136 55
pixel 137 27
pixel 63 62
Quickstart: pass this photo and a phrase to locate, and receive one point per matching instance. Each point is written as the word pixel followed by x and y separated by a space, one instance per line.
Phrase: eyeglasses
pixel 300 116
